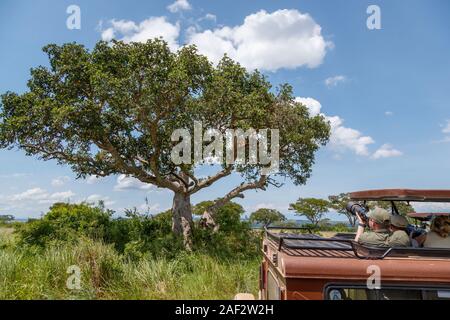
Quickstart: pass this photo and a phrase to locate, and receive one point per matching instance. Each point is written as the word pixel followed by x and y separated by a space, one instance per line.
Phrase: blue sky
pixel 386 91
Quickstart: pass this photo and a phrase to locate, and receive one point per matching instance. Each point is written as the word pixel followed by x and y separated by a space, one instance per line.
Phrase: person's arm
pixel 420 239
pixel 361 228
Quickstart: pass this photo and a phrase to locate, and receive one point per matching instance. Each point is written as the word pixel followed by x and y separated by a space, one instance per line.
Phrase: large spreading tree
pixel 267 216
pixel 112 110
pixel 312 209
pixel 339 203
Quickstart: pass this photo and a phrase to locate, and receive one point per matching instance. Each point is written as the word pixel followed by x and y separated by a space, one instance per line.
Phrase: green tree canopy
pixel 267 216
pixel 6 218
pixel 113 109
pixel 228 216
pixel 403 207
pixel 311 208
pixel 339 203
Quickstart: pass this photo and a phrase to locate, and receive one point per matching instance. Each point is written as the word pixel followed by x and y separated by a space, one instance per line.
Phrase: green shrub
pixel 235 237
pixel 67 222
pixel 338 227
pixel 343 227
pixel 135 257
pixel 137 235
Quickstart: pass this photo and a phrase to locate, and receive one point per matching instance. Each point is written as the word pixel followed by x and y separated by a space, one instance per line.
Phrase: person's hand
pixel 360 220
pixel 420 239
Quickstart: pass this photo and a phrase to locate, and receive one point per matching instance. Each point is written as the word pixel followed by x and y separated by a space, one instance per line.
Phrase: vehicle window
pixel 405 293
pixel 272 287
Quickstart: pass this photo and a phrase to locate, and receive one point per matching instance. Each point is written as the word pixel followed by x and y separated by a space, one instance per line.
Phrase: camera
pixel 414 231
pixel 357 209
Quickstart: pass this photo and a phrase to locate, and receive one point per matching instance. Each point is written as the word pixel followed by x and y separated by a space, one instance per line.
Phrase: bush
pixel 67 222
pixel 235 237
pixel 135 257
pixel 343 227
pixel 138 235
pixel 6 219
pixel 338 227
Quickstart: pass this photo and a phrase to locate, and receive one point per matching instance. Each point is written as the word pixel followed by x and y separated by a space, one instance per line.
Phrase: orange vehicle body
pixel 305 273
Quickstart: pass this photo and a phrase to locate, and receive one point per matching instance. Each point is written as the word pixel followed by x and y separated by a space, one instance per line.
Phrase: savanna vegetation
pixel 134 257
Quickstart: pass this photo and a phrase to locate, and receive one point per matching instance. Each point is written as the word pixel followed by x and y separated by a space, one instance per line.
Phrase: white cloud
pixel 344 138
pixel 153 27
pixel 446 131
pixel 334 81
pixel 179 5
pixel 446 128
pixel 14 175
pixel 155 208
pixel 31 194
pixel 210 17
pixel 388 113
pixel 124 26
pixel 41 196
pixel 268 41
pixel 444 140
pixel 93 179
pixel 386 151
pixel 60 181
pixel 108 34
pixel 313 105
pixel 267 205
pixel 59 196
pixel 125 182
pixel 62 195
pixel 94 198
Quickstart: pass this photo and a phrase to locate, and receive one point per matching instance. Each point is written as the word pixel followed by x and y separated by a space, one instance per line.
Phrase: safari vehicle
pixel 307 266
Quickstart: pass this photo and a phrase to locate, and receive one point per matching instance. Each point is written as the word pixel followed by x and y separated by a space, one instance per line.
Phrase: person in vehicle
pixel 398 237
pixel 378 223
pixel 439 235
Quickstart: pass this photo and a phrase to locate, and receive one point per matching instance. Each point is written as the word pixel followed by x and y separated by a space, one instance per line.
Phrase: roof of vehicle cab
pixel 427 214
pixel 402 195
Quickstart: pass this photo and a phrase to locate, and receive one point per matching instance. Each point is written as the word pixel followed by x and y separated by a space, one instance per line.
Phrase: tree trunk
pixel 208 220
pixel 182 218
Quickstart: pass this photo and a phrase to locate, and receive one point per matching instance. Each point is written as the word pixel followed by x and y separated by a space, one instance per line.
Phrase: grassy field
pixel 32 273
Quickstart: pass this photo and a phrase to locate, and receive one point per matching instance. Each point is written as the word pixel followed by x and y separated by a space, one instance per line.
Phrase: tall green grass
pixel 41 273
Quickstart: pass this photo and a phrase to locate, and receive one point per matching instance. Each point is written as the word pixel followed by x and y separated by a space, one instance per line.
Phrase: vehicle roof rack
pixel 297 243
pixel 402 195
pixel 302 228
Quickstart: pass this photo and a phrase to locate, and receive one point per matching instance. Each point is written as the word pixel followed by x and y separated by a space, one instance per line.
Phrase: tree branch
pixel 137 172
pixel 210 180
pixel 186 184
pixel 238 192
